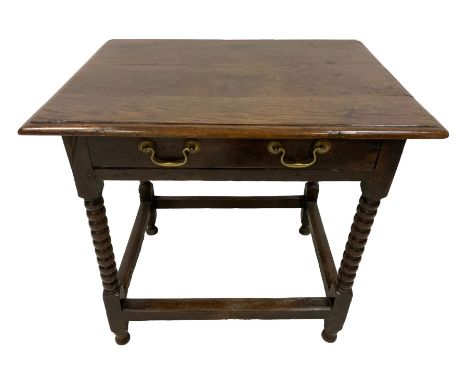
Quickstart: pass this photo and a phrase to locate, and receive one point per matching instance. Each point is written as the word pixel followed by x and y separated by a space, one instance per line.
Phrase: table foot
pixel 304 230
pixel 122 339
pixel 151 229
pixel 329 337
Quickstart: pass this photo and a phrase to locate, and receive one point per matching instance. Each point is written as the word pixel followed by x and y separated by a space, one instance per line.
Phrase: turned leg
pixel 147 195
pixel 96 213
pixel 311 191
pixel 373 191
pixel 360 229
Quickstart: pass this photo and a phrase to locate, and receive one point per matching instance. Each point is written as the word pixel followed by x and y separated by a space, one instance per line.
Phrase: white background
pixel 409 316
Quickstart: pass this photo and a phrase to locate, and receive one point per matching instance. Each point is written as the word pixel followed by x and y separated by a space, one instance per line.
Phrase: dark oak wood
pixel 311 191
pixel 225 308
pixel 233 153
pixel 132 251
pixel 357 239
pixel 311 223
pixel 117 322
pixel 144 221
pixel 151 228
pixel 233 98
pixel 363 220
pixel 96 213
pixel 163 202
pixel 231 174
pixel 234 89
pixel 322 249
pixel 87 184
pixel 147 196
pixel 378 186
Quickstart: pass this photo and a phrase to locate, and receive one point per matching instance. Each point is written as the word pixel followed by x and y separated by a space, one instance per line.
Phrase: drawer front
pixel 233 153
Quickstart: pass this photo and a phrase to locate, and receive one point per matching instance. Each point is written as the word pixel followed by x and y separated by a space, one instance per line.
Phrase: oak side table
pixel 232 110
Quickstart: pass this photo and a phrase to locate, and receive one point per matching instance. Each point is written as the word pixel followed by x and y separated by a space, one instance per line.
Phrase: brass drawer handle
pixel 148 147
pixel 320 147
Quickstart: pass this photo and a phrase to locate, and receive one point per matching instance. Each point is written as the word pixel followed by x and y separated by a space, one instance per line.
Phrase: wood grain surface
pixel 234 89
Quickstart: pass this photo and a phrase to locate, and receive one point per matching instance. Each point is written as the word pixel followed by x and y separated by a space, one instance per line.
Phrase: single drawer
pixel 341 154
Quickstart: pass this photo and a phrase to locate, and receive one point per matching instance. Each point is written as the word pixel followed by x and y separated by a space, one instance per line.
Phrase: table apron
pixel 231 174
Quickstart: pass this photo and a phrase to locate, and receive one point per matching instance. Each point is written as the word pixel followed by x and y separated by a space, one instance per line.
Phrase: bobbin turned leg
pixel 90 189
pixel 148 195
pixel 311 191
pixel 360 230
pixel 96 213
pixel 373 190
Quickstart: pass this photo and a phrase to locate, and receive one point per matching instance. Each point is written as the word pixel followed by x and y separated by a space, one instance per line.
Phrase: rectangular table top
pixel 234 89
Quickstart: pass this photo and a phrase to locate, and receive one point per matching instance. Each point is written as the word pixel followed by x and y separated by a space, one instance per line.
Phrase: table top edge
pixel 152 130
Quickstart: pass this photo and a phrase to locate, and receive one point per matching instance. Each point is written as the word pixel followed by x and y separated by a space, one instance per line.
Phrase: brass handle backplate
pixel 148 147
pixel 320 147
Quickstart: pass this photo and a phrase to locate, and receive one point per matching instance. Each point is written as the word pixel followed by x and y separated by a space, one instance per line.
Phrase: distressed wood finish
pixel 233 98
pixel 234 89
